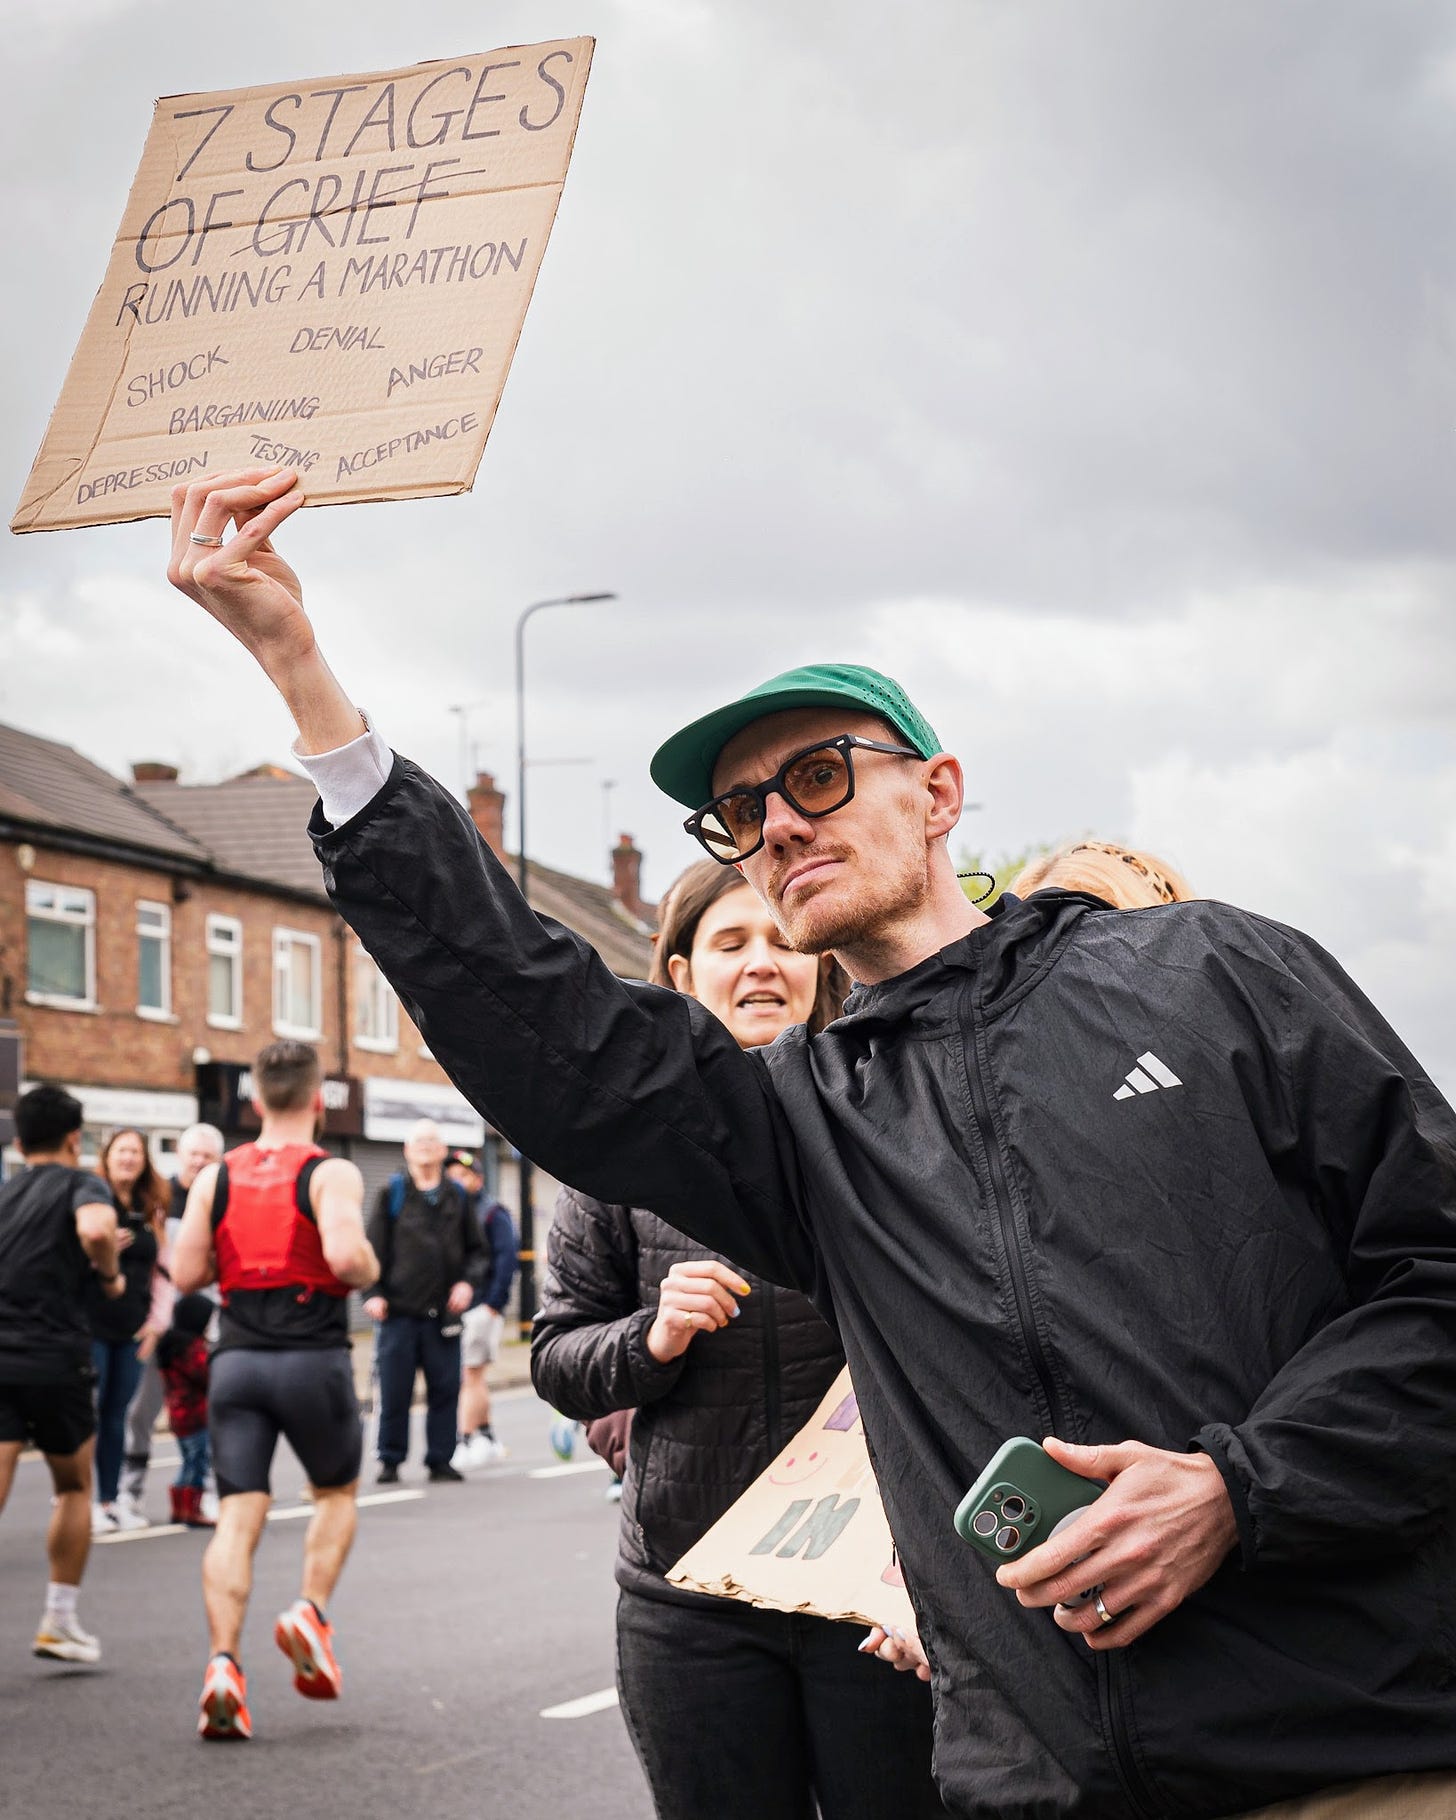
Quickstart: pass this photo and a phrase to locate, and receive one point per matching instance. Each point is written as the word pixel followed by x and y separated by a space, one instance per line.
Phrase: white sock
pixel 61 1601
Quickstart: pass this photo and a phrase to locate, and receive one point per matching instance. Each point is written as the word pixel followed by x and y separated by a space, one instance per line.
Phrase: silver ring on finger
pixel 212 543
pixel 1106 1616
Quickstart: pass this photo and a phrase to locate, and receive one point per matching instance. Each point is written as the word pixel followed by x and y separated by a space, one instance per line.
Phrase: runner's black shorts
pixel 306 1395
pixel 57 1418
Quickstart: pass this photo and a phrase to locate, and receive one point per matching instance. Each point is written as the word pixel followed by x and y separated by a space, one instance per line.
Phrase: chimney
pixel 488 812
pixel 149 773
pixel 627 880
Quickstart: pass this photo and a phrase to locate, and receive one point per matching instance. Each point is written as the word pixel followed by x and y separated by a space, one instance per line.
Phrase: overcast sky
pixel 1087 365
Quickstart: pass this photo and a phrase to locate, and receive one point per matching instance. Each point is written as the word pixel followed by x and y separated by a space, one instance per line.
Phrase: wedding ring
pixel 213 543
pixel 1107 1617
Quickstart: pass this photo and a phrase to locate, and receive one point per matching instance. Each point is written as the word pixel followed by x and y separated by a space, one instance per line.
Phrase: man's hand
pixel 247 587
pixel 461 1296
pixel 698 1295
pixel 1159 1531
pixel 376 1308
pixel 902 1649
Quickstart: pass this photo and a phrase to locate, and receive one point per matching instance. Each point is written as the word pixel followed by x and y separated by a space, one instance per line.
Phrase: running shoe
pixel 223 1710
pixel 63 1640
pixel 129 1512
pixel 103 1521
pixel 470 1453
pixel 308 1641
pixel 563 1438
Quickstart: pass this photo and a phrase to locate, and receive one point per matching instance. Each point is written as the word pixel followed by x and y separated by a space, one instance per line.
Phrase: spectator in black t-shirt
pixel 198 1147
pixel 125 1329
pixel 58 1236
pixel 431 1254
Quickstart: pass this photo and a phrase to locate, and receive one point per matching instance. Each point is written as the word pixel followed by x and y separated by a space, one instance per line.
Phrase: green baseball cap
pixel 683 765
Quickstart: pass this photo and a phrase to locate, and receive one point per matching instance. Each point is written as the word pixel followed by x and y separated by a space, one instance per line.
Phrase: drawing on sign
pixel 328 275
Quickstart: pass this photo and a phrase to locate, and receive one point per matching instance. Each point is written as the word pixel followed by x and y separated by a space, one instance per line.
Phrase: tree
pixel 1001 868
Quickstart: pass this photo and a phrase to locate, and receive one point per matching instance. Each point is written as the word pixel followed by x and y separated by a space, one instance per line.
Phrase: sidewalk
pixel 510 1370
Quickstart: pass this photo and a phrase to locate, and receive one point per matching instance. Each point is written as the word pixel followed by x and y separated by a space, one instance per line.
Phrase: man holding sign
pixel 1062 1171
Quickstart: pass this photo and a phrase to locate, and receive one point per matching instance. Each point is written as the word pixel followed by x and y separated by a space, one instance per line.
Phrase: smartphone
pixel 1020 1500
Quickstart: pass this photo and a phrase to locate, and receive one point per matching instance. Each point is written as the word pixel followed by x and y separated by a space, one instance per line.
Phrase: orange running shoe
pixel 308 1641
pixel 224 1705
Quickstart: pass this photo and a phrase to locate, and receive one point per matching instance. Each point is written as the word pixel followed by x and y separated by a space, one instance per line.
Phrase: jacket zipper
pixel 1111 1692
pixel 771 1398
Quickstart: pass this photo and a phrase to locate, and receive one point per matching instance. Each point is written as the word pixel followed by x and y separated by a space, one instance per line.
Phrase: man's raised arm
pixel 245 585
pixel 629 1092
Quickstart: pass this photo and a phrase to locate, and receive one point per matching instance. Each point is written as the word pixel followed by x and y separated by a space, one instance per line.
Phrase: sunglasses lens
pixel 725 835
pixel 819 781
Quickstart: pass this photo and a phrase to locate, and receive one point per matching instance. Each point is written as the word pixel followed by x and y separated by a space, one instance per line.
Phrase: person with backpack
pixel 432 1258
pixel 484 1322
pixel 278 1226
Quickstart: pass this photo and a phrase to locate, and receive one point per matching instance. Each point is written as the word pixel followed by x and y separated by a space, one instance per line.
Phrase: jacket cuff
pixel 650 1377
pixel 1214 1441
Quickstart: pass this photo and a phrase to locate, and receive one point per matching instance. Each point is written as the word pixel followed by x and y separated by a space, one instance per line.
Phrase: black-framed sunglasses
pixel 816 782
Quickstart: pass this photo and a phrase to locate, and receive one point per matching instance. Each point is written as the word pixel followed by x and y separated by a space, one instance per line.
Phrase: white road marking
pixel 139 1535
pixel 580 1709
pixel 562 1472
pixel 373 1497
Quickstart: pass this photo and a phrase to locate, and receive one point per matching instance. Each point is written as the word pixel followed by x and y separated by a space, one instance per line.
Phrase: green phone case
pixel 1019 1500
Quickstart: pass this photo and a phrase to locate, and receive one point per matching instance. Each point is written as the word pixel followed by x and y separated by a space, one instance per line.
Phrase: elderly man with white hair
pixel 198 1147
pixel 431 1259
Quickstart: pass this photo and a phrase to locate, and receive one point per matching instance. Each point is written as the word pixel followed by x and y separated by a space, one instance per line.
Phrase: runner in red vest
pixel 278 1225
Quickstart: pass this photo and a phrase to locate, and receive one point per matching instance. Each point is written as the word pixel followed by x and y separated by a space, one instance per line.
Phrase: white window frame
pixel 283 941
pixel 81 916
pixel 373 989
pixel 157 1014
pixel 225 942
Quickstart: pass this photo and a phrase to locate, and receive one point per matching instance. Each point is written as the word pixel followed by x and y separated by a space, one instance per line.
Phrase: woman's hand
pixel 899 1647
pixel 147 1343
pixel 696 1296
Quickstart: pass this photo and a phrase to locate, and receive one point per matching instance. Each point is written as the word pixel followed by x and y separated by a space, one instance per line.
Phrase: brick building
pixel 154 935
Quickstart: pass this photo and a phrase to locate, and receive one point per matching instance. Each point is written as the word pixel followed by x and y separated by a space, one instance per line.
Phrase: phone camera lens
pixel 1007 1537
pixel 1013 1509
pixel 985 1522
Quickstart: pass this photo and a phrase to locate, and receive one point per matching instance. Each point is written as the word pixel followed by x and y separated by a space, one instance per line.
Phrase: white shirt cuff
pixel 350 777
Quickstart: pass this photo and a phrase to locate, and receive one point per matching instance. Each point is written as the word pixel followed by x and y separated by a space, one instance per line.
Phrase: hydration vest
pixel 263 1228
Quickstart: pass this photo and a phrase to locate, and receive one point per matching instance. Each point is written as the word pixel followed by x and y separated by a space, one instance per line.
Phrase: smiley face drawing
pixel 796 1468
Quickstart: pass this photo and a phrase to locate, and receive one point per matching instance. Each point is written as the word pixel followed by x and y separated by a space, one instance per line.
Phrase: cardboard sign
pixel 809 1534
pixel 330 275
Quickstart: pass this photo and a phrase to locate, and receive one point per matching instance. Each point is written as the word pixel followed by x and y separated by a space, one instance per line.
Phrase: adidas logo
pixel 1147 1077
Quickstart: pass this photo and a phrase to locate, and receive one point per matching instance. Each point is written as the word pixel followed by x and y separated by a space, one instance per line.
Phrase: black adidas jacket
pixel 1260 1261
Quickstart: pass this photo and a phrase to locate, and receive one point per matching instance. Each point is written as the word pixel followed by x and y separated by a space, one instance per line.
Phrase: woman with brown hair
pixel 121 1328
pixel 733 1711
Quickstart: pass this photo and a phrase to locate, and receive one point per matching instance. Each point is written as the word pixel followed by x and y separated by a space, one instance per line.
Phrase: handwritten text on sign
pixel 329 274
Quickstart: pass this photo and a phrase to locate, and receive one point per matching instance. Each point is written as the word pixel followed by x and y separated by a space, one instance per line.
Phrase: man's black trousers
pixel 407 1344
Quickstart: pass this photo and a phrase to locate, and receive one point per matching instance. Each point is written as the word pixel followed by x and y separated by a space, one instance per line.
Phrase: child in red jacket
pixel 182 1358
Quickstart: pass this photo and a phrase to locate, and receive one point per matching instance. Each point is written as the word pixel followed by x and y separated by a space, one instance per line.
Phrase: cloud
pixel 1091 369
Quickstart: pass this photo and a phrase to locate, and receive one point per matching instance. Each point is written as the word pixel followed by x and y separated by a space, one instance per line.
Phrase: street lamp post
pixel 527 1211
